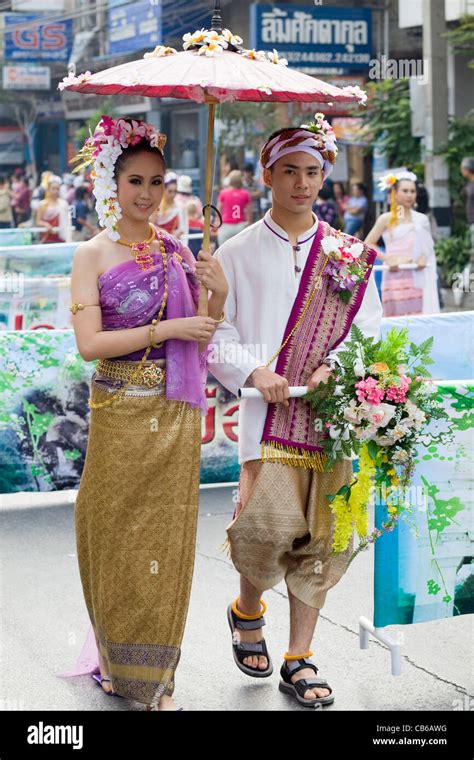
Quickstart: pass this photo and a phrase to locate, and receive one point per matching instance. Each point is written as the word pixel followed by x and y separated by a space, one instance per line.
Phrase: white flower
pixel 160 51
pixel 339 390
pixel 356 249
pixel 255 55
pixel 232 39
pixel 378 414
pixel 195 38
pixel 273 58
pixel 361 95
pixel 399 456
pixel 353 412
pixel 359 368
pixel 330 244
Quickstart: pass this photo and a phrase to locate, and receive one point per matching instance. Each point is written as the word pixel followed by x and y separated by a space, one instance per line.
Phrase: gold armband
pixel 75 307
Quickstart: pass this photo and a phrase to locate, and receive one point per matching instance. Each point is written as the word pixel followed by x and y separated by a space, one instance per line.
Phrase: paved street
pixel 44 623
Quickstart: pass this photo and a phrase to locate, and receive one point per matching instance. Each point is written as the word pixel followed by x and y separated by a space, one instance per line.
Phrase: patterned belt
pixel 150 375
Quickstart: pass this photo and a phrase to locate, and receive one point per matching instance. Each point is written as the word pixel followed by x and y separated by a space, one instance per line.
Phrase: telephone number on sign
pixel 296 57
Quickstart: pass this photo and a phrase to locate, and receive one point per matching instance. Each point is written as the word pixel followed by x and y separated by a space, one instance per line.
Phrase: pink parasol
pixel 215 68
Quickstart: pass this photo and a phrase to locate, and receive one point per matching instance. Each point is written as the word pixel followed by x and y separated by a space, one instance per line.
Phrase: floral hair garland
pixel 101 150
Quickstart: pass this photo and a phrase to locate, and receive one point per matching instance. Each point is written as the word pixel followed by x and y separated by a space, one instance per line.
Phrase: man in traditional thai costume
pixel 287 300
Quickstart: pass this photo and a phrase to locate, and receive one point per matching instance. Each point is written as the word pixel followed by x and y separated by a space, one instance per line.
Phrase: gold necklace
pixel 142 251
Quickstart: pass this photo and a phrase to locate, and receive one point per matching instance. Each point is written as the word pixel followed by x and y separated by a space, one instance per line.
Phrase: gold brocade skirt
pixel 136 517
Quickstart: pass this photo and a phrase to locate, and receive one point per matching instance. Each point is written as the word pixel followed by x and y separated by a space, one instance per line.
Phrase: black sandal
pixel 244 649
pixel 297 690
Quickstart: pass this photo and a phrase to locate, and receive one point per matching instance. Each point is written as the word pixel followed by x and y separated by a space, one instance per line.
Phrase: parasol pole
pixel 216 26
pixel 206 240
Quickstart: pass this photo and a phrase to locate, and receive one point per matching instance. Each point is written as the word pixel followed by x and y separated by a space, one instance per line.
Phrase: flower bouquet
pixel 344 268
pixel 374 406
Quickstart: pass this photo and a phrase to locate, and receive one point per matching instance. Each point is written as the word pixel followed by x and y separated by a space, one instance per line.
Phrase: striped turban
pixel 322 146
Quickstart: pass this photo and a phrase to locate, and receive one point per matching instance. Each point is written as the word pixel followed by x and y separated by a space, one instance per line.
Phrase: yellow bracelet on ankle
pixel 242 616
pixel 287 656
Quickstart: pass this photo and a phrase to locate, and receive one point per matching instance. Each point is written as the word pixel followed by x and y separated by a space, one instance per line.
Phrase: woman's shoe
pixel 100 680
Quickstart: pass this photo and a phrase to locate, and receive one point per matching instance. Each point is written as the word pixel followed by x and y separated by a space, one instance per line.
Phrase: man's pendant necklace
pixel 296 248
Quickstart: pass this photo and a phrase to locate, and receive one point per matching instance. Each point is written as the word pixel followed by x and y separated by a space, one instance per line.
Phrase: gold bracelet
pixel 218 321
pixel 152 332
pixel 75 307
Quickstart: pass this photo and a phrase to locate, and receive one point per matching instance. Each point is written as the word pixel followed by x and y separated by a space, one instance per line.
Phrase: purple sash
pixel 289 435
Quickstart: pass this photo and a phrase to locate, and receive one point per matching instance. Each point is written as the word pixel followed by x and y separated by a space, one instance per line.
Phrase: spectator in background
pixel 249 183
pixel 184 194
pixel 230 165
pixel 21 197
pixel 325 208
pixel 235 206
pixel 170 216
pixel 68 191
pixel 422 205
pixel 340 197
pixel 467 171
pixel 6 213
pixel 195 226
pixel 83 230
pixel 53 214
pixel 356 209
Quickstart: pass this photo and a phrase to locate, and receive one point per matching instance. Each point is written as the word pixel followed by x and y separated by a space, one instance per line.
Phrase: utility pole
pixel 435 50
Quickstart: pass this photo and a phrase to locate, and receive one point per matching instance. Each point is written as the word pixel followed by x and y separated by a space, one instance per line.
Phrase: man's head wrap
pixel 317 139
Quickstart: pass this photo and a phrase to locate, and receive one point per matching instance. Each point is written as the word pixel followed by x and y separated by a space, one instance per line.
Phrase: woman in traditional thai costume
pixel 171 216
pixel 407 237
pixel 135 287
pixel 53 214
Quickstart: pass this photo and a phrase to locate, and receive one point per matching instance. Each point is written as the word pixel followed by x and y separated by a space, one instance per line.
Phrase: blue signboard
pixel 48 41
pixel 135 26
pixel 314 37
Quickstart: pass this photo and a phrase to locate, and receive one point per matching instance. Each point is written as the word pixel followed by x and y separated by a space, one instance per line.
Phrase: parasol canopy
pixel 213 68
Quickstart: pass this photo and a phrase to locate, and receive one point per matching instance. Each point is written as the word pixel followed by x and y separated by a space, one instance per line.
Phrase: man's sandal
pixel 240 622
pixel 297 690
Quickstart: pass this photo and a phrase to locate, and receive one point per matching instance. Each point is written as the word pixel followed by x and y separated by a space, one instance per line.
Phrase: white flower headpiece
pixel 101 150
pixel 390 180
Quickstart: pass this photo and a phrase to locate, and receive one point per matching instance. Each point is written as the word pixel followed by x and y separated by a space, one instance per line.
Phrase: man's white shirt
pixel 260 268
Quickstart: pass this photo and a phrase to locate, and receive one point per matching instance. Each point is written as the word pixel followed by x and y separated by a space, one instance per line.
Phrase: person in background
pixel 195 226
pixel 170 216
pixel 407 237
pixel 230 165
pixel 249 183
pixel 340 197
pixel 325 208
pixel 53 214
pixel 356 209
pixel 68 190
pixel 83 230
pixel 21 197
pixel 6 213
pixel 235 205
pixel 467 171
pixel 184 194
pixel 422 205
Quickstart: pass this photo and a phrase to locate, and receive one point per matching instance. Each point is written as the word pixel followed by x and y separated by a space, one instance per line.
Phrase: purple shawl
pixel 131 297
